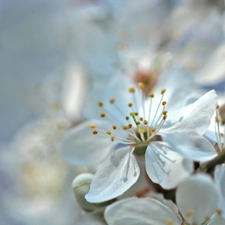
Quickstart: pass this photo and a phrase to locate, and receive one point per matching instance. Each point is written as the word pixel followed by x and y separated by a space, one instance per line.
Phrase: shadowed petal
pixel 197 198
pixel 81 147
pixel 114 177
pixel 198 115
pixel 136 211
pixel 166 167
pixel 191 145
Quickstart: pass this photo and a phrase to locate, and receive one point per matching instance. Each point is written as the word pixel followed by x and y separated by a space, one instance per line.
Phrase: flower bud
pixel 81 185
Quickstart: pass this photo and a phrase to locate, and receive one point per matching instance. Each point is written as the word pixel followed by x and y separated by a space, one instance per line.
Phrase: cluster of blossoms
pixel 146 155
pixel 155 160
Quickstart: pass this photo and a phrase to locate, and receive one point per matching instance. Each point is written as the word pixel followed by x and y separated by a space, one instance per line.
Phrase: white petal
pixel 217 220
pixel 118 89
pixel 211 136
pixel 197 195
pixel 191 145
pixel 136 211
pixel 177 82
pixel 198 115
pixel 114 177
pixel 219 176
pixel 166 167
pixel 81 147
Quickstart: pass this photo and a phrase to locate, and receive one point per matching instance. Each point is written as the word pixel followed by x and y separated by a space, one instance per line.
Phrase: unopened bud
pixel 81 185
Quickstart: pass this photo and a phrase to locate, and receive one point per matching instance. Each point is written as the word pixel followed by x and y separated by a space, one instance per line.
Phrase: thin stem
pixel 209 166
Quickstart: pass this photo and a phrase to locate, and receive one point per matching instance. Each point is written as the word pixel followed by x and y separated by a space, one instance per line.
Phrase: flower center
pixel 138 124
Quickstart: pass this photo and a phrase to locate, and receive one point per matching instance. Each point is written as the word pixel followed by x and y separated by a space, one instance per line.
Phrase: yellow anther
pixel 134 196
pixel 100 104
pixel 131 89
pixel 217 107
pixel 189 213
pixel 221 134
pixel 108 132
pixel 169 222
pixel 153 129
pixel 94 132
pixel 217 119
pixel 130 125
pixel 141 118
pixel 112 138
pixel 164 117
pixel 164 103
pixel 207 218
pixel 164 112
pixel 127 117
pixel 136 113
pixel 141 85
pixel 125 127
pixel 130 104
pixel 151 95
pixel 102 115
pixel 112 100
pixel 138 123
pixel 114 127
pixel 145 122
pixel 141 130
pixel 219 211
pixel 163 91
pixel 92 126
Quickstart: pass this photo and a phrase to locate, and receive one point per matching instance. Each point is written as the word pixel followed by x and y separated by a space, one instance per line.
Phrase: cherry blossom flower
pixel 197 201
pixel 152 127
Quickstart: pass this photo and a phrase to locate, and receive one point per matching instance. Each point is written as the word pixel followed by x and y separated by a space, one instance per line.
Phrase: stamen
pixel 94 132
pixel 102 115
pixel 92 126
pixel 217 119
pixel 163 103
pixel 141 86
pixel 127 118
pixel 163 91
pixel 151 95
pixel 131 89
pixel 219 211
pixel 108 132
pixel 153 129
pixel 112 100
pixel 141 130
pixel 112 138
pixel 130 104
pixel 100 104
pixel 133 117
pixel 114 127
pixel 207 218
pixel 141 118
pixel 189 213
pixel 169 222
